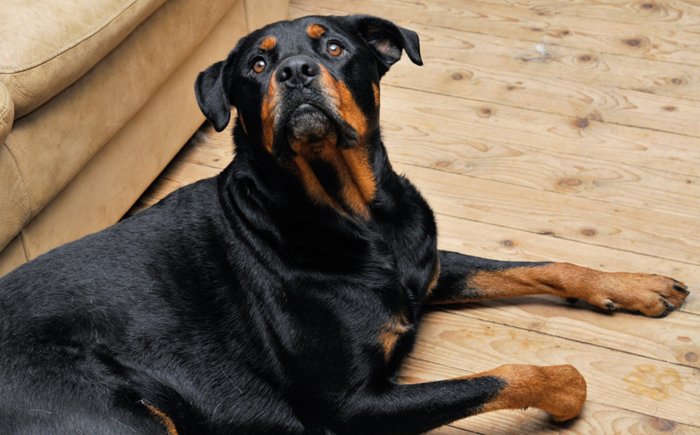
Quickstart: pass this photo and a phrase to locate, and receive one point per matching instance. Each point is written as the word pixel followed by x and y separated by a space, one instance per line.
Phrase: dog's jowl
pixel 281 296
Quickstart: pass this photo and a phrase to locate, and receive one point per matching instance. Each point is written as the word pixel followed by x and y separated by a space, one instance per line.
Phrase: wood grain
pixel 586 137
pixel 667 14
pixel 627 228
pixel 614 379
pixel 654 43
pixel 503 243
pixel 539 166
pixel 553 79
pixel 596 419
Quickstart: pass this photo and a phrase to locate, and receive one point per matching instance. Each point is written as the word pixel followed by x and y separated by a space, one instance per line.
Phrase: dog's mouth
pixel 308 130
pixel 308 124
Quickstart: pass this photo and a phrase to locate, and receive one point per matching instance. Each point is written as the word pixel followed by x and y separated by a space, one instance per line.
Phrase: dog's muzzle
pixel 308 123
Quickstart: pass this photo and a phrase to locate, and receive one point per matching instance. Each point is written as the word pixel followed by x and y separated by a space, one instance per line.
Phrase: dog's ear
pixel 211 96
pixel 386 39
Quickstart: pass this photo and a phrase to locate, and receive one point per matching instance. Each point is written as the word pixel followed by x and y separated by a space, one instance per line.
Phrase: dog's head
pixel 306 88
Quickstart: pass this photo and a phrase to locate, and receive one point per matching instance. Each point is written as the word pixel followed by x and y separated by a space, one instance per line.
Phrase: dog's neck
pixel 345 179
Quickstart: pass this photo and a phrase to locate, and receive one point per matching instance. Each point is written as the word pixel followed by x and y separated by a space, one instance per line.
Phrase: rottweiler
pixel 281 296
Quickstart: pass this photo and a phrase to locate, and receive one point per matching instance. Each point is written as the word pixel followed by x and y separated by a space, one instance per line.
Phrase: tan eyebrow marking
pixel 268 43
pixel 315 30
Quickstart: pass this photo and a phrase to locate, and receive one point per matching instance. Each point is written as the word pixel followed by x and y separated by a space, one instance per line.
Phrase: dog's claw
pixel 681 288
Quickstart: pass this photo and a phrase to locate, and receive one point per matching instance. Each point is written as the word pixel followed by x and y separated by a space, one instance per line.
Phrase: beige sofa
pixel 96 97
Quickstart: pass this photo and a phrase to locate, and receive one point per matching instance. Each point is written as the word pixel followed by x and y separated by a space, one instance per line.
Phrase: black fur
pixel 236 304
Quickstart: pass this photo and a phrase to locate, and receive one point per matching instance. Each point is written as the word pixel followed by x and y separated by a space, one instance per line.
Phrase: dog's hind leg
pixel 466 279
pixel 416 408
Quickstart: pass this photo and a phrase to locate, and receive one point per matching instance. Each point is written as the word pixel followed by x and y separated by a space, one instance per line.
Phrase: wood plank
pixel 596 418
pixel 648 42
pixel 502 243
pixel 560 80
pixel 667 14
pixel 674 339
pixel 583 137
pixel 205 154
pixel 614 379
pixel 536 165
pixel 448 430
pixel 622 227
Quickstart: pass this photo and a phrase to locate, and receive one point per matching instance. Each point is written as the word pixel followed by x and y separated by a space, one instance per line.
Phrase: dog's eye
pixel 334 49
pixel 259 65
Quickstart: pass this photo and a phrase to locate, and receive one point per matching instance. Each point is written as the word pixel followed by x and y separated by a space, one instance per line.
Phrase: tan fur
pixel 351 165
pixel 167 421
pixel 558 390
pixel 434 280
pixel 315 31
pixel 267 114
pixel 630 291
pixel 268 43
pixel 389 334
pixel 305 153
pixel 356 158
pixel 375 91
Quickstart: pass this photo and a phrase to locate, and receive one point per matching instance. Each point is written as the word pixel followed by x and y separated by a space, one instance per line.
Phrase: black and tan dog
pixel 281 296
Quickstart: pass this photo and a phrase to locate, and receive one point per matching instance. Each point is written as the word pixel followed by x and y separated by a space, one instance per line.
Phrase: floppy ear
pixel 387 39
pixel 211 97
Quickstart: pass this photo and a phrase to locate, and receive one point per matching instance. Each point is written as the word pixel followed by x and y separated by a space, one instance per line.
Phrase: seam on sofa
pixel 6 116
pixel 89 34
pixel 25 190
pixel 23 245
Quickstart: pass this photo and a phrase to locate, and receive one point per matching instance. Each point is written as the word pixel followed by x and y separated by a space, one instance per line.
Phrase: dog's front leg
pixel 416 408
pixel 466 279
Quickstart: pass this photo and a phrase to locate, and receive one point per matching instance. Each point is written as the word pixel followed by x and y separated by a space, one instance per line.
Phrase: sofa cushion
pixel 115 178
pixel 47 45
pixel 51 145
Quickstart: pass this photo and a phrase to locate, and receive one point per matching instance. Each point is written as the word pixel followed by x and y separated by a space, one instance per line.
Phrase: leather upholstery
pixel 76 163
pixel 143 147
pixel 75 124
pixel 7 112
pixel 47 45
pixel 12 256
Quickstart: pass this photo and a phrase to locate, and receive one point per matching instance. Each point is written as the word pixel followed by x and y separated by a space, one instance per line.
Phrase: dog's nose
pixel 297 71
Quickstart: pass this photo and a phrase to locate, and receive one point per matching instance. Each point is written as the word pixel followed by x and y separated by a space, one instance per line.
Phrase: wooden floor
pixel 547 130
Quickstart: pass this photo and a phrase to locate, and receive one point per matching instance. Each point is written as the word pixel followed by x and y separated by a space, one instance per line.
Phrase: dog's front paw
pixel 565 392
pixel 651 295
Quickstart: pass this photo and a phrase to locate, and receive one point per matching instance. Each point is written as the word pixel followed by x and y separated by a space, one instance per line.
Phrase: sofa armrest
pixel 14 206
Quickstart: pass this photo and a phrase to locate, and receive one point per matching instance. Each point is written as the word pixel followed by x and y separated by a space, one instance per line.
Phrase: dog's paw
pixel 651 295
pixel 558 390
pixel 565 392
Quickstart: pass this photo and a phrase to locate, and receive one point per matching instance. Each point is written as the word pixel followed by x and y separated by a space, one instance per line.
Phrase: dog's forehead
pixel 296 34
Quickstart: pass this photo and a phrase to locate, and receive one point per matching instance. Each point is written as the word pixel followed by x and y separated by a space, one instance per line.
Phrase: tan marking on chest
pixel 352 165
pixel 308 177
pixel 375 90
pixel 434 280
pixel 390 333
